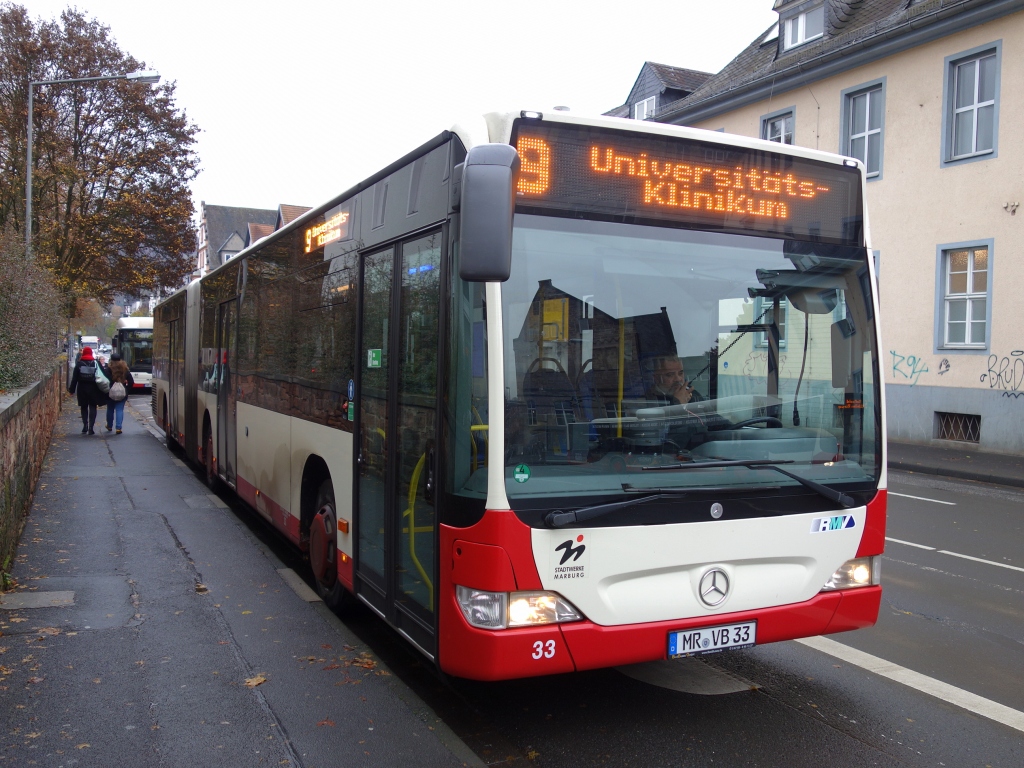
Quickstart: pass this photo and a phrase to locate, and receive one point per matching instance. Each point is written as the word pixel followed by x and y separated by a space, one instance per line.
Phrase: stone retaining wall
pixel 27 418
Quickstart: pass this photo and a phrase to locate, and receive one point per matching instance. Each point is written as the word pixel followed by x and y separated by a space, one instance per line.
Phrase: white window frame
pixel 761 337
pixel 953 71
pixel 774 117
pixel 847 135
pixel 795 28
pixel 644 109
pixel 944 297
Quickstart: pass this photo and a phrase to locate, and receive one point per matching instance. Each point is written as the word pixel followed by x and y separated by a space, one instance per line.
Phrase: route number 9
pixel 535 166
pixel 544 650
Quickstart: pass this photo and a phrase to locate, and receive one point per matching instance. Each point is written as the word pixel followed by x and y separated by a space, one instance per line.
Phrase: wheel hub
pixel 322 546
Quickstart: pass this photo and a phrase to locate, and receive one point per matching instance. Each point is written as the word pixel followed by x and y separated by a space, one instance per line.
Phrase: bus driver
pixel 670 385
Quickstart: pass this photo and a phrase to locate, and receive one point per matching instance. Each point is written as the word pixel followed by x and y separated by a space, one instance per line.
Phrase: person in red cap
pixel 83 382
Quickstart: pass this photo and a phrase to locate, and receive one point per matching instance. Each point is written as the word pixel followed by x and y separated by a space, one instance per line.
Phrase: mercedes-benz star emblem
pixel 714 587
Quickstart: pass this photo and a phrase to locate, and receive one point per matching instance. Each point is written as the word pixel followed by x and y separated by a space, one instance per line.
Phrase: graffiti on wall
pixel 943 366
pixel 1006 373
pixel 756 364
pixel 907 367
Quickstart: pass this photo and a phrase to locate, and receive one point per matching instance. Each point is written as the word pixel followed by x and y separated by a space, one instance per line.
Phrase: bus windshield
pixel 635 348
pixel 136 348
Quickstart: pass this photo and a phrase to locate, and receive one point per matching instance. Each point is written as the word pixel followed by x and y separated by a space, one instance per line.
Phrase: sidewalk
pixel 151 628
pixel 958 462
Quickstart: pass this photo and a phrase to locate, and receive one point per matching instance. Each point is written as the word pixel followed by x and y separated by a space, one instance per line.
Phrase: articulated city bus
pixel 134 342
pixel 554 393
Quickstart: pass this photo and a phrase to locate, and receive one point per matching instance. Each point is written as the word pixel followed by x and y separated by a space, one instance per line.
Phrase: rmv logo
pixel 838 523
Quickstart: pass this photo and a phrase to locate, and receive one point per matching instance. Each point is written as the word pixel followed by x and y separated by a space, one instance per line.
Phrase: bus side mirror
pixel 487 202
pixel 842 351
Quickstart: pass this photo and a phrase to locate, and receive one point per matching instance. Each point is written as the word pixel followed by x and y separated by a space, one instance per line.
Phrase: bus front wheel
pixel 323 547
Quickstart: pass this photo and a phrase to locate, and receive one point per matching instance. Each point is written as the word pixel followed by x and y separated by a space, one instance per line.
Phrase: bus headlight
pixel 528 608
pixel 499 610
pixel 859 572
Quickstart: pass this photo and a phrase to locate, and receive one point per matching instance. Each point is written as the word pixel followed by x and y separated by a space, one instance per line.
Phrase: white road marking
pixel 956 696
pixel 955 554
pixel 909 543
pixel 922 498
pixel 979 560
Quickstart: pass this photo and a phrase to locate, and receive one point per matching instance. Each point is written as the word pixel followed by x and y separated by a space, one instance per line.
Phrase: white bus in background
pixel 93 342
pixel 134 342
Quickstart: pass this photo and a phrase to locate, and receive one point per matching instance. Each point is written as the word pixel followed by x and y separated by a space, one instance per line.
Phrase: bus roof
pixel 135 322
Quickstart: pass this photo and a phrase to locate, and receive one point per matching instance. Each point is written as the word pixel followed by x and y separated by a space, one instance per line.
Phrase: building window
pixel 971 118
pixel 965 305
pixel 644 109
pixel 805 27
pixel 778 127
pixel 863 125
pixel 763 316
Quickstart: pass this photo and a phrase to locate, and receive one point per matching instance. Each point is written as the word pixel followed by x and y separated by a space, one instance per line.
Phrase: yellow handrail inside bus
pixel 411 514
pixel 478 427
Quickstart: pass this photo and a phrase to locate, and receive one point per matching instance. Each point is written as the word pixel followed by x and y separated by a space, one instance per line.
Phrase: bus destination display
pixel 642 176
pixel 334 228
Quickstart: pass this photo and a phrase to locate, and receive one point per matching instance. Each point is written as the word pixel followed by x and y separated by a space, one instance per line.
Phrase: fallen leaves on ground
pixel 325 721
pixel 252 682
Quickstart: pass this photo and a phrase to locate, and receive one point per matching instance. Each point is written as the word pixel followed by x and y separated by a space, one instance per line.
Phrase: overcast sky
pixel 299 100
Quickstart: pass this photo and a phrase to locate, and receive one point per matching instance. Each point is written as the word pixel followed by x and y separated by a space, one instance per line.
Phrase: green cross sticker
pixel 373 358
pixel 521 473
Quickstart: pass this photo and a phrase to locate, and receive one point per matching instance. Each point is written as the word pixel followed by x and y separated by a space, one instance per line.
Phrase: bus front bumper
pixel 477 654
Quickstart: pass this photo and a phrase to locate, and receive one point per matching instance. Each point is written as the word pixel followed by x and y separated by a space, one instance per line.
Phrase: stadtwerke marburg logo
pixel 570 559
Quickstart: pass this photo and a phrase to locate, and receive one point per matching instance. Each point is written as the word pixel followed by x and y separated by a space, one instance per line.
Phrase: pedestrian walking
pixel 83 383
pixel 121 383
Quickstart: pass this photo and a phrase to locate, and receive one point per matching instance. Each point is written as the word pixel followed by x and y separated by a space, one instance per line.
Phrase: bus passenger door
pixel 373 467
pixel 226 392
pixel 397 405
pixel 174 354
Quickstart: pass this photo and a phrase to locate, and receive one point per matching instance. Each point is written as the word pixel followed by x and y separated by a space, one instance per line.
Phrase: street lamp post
pixel 146 76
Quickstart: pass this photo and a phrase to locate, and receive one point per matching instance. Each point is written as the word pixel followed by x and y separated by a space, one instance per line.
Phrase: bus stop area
pixel 150 626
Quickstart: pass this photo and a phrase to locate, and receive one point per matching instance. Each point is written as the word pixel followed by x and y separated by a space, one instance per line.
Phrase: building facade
pixel 927 94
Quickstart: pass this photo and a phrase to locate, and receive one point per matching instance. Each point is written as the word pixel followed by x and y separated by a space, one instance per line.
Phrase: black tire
pixel 209 468
pixel 172 443
pixel 323 549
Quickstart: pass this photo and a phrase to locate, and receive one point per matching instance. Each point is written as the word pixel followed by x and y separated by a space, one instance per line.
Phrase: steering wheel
pixel 769 421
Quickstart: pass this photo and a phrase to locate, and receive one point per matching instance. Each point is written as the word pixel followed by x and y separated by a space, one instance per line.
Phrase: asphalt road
pixel 939 681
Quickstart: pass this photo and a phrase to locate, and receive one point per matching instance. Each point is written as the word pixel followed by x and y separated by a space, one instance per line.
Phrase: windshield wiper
pixel 560 519
pixel 829 493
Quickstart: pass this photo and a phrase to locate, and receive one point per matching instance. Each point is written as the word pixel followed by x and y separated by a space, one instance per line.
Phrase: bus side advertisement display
pixel 635 176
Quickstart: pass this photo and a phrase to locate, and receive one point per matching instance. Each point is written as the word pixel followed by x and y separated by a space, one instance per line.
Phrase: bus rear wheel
pixel 208 464
pixel 323 548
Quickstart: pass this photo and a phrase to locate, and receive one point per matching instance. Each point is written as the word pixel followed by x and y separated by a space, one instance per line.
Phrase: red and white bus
pixel 134 342
pixel 553 393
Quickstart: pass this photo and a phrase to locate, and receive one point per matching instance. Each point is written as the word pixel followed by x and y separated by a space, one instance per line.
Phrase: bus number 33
pixel 544 650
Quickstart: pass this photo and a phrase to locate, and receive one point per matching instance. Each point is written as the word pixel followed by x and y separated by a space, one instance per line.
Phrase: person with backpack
pixel 83 383
pixel 121 383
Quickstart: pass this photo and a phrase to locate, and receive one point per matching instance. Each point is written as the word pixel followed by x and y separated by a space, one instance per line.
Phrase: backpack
pixel 117 392
pixel 87 371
